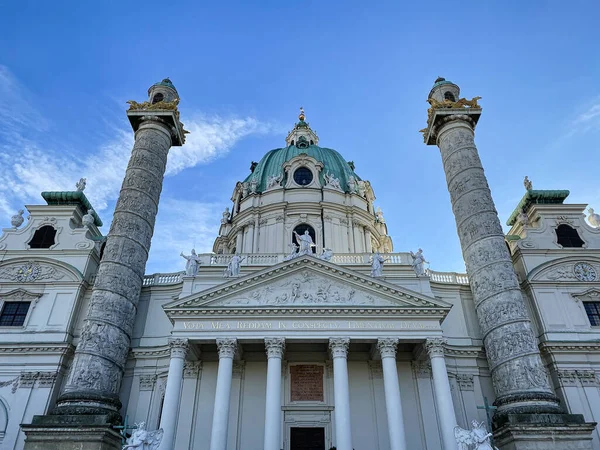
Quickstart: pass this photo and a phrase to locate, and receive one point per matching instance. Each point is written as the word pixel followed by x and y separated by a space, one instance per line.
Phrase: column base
pixel 544 431
pixel 70 432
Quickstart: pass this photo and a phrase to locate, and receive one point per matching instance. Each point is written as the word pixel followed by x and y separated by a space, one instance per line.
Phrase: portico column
pixel 387 349
pixel 170 410
pixel 239 239
pixel 275 348
pixel 341 392
pixel 368 246
pixel 218 435
pixel 443 396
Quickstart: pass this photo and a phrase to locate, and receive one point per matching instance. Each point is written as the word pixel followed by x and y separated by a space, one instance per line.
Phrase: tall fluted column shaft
pixel 518 374
pixel 443 394
pixel 170 409
pixel 218 435
pixel 93 383
pixel 393 405
pixel 275 348
pixel 341 392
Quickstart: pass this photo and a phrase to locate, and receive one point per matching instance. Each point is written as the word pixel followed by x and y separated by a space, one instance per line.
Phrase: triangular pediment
pixel 307 282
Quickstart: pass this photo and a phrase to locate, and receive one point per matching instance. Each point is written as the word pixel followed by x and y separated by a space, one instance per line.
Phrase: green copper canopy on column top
pixel 166 82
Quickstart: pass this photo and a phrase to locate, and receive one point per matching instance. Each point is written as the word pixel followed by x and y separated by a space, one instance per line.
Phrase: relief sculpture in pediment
pixel 303 289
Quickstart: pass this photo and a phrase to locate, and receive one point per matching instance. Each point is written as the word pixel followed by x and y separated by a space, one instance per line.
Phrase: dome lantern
pixel 302 136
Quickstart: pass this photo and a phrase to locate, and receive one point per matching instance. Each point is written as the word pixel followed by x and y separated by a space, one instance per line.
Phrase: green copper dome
pixel 272 164
pixel 166 82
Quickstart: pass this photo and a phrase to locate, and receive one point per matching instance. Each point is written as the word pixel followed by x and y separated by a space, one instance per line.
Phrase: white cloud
pixel 211 137
pixel 180 226
pixel 588 120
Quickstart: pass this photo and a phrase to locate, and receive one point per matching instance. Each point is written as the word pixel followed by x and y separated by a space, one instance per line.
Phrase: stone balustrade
pixel 268 259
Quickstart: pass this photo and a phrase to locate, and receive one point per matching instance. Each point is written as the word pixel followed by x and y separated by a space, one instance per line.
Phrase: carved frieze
pixel 147 382
pixel 422 369
pixel 506 342
pixel 465 381
pixel 573 271
pixel 192 369
pixel 30 271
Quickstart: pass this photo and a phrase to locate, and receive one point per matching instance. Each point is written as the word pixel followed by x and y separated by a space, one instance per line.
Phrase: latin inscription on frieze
pixel 306 383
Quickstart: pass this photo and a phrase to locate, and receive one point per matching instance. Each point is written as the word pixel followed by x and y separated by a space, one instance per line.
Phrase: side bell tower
pixel 89 403
pixel 527 409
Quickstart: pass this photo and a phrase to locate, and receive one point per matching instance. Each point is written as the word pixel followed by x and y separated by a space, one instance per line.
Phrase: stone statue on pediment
pixel 293 252
pixel 418 263
pixel 326 255
pixel 351 184
pixel 274 180
pixel 193 262
pixel 331 181
pixel 377 265
pixel 225 216
pixel 80 185
pixel 233 267
pixel 305 242
pixel 17 220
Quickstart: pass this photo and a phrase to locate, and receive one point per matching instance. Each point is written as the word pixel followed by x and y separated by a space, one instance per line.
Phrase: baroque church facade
pixel 304 328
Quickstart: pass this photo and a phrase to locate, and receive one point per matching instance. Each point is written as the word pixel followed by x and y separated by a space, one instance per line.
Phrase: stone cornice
pixel 27 348
pixel 569 347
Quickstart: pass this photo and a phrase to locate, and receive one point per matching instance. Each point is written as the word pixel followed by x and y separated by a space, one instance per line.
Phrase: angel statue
pixel 477 438
pixel 141 439
pixel 193 261
pixel 80 185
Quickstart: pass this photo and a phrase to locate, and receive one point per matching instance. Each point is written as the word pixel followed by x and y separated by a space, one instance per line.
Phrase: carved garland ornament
pixel 29 272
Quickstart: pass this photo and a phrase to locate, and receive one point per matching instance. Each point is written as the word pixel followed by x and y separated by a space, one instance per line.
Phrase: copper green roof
pixel 272 164
pixel 71 198
pixel 535 197
pixel 165 82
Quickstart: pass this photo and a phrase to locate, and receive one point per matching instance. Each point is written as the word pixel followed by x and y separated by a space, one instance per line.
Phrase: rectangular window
pixel 13 314
pixel 593 312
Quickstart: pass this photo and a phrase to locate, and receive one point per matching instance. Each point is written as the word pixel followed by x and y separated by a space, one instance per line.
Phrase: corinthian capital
pixel 227 347
pixel 179 347
pixel 435 346
pixel 275 347
pixel 387 347
pixel 339 347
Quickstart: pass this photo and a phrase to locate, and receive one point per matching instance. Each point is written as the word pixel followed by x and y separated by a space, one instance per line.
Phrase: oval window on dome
pixel 303 176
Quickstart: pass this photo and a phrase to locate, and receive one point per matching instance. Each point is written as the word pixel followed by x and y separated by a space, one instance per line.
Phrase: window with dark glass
pixel 303 176
pixel 43 237
pixel 13 314
pixel 300 229
pixel 449 96
pixel 158 98
pixel 568 237
pixel 593 312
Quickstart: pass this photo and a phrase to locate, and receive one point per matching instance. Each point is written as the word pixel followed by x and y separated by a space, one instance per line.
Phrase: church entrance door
pixel 302 438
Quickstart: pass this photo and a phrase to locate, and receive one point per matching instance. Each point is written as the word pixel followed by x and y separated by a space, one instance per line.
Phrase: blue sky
pixel 362 71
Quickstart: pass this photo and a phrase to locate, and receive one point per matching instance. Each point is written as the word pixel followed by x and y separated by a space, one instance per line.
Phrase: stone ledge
pixel 70 433
pixel 543 431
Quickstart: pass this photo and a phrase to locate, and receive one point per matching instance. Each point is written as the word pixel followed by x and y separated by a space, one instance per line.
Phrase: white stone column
pixel 255 243
pixel 387 349
pixel 218 435
pixel 170 410
pixel 368 246
pixel 341 392
pixel 239 240
pixel 443 395
pixel 275 348
pixel 249 238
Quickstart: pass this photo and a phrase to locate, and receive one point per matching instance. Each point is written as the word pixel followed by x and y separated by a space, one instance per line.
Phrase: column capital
pixel 387 347
pixel 227 347
pixel 435 346
pixel 275 347
pixel 179 347
pixel 339 347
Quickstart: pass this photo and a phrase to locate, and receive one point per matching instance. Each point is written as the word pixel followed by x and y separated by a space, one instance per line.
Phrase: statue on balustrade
pixel 377 265
pixel 418 263
pixel 193 262
pixel 293 252
pixel 305 242
pixel 142 439
pixel 477 438
pixel 326 255
pixel 331 181
pixel 233 268
pixel 225 216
